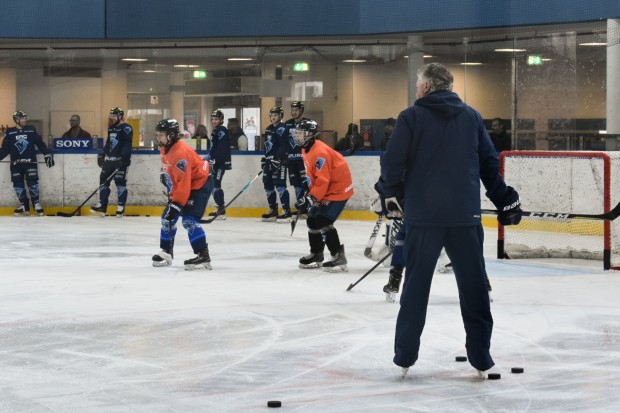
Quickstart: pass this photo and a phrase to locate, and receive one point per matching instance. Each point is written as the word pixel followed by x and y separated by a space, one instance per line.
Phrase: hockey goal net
pixel 563 182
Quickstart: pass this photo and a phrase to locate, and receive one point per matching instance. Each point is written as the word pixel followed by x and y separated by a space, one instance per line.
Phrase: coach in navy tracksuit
pixel 438 153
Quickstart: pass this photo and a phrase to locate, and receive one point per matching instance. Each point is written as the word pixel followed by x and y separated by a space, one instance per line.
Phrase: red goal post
pixel 581 182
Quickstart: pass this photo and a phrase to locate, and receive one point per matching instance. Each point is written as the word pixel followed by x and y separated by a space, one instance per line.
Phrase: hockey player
pixel 274 166
pixel 220 160
pixel 295 165
pixel 330 187
pixel 186 178
pixel 21 143
pixel 114 159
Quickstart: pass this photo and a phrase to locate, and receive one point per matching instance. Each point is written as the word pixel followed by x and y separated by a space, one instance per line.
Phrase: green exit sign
pixel 534 60
pixel 200 74
pixel 301 67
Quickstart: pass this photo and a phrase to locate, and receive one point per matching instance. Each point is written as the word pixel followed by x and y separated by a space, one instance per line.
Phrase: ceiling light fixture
pixel 510 50
pixel 239 59
pixel 593 44
pixel 470 64
pixel 134 59
pixel 354 61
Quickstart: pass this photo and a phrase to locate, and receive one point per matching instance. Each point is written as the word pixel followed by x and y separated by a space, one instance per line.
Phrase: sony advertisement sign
pixel 76 143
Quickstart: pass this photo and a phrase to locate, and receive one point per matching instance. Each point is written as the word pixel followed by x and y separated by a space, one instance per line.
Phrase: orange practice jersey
pixel 329 174
pixel 185 169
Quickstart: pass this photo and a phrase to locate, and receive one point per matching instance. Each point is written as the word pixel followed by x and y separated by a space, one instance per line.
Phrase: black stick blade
pixel 64 214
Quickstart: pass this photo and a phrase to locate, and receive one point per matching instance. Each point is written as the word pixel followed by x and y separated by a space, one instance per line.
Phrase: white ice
pixel 88 325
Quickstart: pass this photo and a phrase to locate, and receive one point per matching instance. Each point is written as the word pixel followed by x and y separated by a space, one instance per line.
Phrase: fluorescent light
pixel 602 132
pixel 150 71
pixel 470 64
pixel 134 59
pixel 185 66
pixel 354 61
pixel 427 56
pixel 239 59
pixel 593 44
pixel 546 59
pixel 510 50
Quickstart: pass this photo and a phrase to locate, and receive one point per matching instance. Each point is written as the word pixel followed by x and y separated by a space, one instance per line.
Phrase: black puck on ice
pixel 460 358
pixel 516 370
pixel 494 376
pixel 274 403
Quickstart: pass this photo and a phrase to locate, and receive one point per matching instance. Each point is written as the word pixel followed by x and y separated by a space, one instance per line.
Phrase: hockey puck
pixel 460 358
pixel 516 370
pixel 494 376
pixel 274 403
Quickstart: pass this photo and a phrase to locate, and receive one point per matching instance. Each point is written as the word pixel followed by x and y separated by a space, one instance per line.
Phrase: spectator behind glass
pixel 498 135
pixel 352 141
pixel 75 131
pixel 389 127
pixel 202 136
pixel 238 140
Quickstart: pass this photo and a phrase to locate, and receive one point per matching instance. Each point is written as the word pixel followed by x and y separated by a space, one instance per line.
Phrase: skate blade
pixel 268 220
pixel 310 266
pixel 161 264
pixel 284 221
pixel 390 297
pixel 198 267
pixel 339 268
pixel 40 214
pixel 21 214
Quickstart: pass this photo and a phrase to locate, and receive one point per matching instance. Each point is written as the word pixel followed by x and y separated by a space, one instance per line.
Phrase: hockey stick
pixel 373 237
pixel 369 271
pixel 22 163
pixel 611 215
pixel 294 222
pixel 108 179
pixel 210 220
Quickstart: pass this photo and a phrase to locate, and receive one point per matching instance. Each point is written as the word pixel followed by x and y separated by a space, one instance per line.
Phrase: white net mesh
pixel 564 182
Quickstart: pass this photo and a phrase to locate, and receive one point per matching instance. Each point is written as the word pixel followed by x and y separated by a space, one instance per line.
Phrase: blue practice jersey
pixel 118 144
pixel 293 149
pixel 278 135
pixel 22 145
pixel 220 148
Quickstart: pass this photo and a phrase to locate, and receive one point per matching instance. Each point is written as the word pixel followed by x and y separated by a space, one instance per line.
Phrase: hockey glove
pixel 510 214
pixel 173 210
pixel 394 210
pixel 100 159
pixel 212 163
pixel 263 162
pixel 305 203
pixel 49 160
pixel 124 163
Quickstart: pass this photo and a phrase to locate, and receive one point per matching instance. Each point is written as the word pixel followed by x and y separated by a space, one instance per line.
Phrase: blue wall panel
pixel 71 19
pixel 149 19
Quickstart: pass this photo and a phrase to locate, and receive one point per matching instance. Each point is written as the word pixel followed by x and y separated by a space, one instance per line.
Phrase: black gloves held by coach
pixel 510 212
pixel 100 159
pixel 49 160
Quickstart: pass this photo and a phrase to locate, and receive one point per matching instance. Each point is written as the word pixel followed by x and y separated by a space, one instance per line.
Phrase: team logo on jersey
pixel 268 145
pixel 182 165
pixel 292 141
pixel 220 134
pixel 21 144
pixel 127 129
pixel 280 131
pixel 319 163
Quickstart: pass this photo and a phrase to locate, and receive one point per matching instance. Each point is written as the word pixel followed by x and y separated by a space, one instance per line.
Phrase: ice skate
pixel 98 210
pixel 404 372
pixel 338 263
pixel 202 261
pixel 393 285
pixel 162 259
pixel 445 269
pixel 285 216
pixel 270 216
pixel 38 209
pixel 120 211
pixel 21 211
pixel 312 260
pixel 220 212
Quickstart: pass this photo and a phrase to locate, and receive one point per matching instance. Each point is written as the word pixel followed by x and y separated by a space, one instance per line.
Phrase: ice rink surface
pixel 88 325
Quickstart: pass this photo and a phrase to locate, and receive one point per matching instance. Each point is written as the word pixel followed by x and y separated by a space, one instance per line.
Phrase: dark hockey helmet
pixel 18 115
pixel 298 105
pixel 306 131
pixel 117 111
pixel 171 128
pixel 276 110
pixel 218 114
